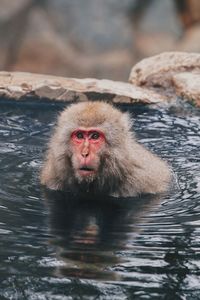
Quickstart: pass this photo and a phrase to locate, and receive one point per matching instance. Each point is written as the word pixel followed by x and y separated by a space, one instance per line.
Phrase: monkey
pixel 93 150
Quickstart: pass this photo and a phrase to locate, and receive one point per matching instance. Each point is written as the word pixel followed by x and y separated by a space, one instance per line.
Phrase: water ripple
pixel 64 248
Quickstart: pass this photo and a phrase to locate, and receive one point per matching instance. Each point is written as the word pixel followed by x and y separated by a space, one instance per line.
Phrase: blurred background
pixel 93 38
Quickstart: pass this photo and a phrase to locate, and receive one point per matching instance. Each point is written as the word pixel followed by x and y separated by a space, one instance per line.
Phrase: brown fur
pixel 126 168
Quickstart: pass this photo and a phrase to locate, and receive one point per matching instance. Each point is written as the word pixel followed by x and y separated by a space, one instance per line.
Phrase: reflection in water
pixel 104 249
pixel 86 231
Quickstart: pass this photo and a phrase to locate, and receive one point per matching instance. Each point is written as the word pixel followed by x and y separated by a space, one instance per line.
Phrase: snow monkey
pixel 93 150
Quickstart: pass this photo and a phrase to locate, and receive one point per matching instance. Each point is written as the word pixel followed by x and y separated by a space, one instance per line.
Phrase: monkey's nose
pixel 85 149
pixel 84 154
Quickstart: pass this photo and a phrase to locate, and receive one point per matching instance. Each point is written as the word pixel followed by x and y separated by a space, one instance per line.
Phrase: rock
pixel 66 39
pixel 9 8
pixel 187 85
pixel 158 70
pixel 189 41
pixel 154 43
pixel 189 12
pixel 20 86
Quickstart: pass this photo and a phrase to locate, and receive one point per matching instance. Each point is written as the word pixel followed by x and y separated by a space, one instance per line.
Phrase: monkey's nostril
pixel 84 154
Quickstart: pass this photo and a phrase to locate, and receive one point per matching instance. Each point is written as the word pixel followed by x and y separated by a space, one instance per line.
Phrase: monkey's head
pixel 86 147
pixel 93 150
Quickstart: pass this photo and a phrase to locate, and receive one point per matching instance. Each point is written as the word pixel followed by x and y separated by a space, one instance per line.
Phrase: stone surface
pixel 152 44
pixel 67 38
pixel 90 38
pixel 9 8
pixel 187 85
pixel 190 41
pixel 16 85
pixel 158 70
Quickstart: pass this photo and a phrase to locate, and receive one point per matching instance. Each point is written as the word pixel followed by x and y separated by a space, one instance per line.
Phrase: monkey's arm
pixel 148 174
pixel 53 172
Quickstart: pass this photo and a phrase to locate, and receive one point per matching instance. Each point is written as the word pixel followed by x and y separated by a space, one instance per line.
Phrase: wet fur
pixel 126 168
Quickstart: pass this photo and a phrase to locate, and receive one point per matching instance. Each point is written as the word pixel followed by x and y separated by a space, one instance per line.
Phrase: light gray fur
pixel 127 168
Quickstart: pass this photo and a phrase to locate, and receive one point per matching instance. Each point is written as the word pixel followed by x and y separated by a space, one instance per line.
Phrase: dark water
pixel 103 249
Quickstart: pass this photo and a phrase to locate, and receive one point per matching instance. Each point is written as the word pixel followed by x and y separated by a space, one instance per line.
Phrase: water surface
pixel 57 247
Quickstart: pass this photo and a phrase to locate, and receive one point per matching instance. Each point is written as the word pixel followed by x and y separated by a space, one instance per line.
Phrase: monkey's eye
pixel 95 135
pixel 79 135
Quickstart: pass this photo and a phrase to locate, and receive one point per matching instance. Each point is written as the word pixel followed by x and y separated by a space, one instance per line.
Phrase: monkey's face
pixel 87 145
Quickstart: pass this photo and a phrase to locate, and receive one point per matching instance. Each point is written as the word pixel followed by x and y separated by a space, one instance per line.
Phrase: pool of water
pixel 56 247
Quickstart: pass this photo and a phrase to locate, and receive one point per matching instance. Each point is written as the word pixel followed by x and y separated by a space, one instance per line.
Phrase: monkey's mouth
pixel 86 171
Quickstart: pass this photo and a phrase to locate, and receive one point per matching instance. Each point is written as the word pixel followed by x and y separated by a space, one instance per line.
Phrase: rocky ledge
pixel 149 83
pixel 170 73
pixel 19 86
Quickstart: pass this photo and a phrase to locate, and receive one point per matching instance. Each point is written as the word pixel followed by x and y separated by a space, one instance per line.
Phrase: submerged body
pixel 93 149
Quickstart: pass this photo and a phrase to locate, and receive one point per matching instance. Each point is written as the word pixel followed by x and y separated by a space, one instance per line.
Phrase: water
pixel 64 248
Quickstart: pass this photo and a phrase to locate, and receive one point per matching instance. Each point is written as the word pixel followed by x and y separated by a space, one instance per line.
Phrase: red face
pixel 86 145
